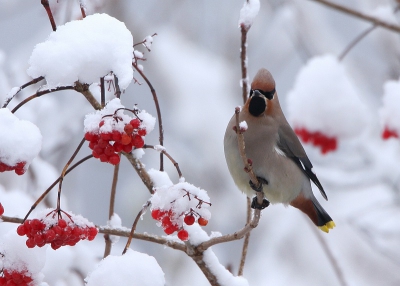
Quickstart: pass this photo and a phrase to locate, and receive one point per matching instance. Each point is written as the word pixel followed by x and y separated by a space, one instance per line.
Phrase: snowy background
pixel 195 69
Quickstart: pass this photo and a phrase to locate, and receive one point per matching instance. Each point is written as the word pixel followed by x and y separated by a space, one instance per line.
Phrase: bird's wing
pixel 290 145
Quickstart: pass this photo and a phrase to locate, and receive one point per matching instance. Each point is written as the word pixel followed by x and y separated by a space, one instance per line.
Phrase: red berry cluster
pixel 14 277
pixel 40 232
pixel 1 209
pixel 18 168
pixel 166 217
pixel 388 133
pixel 107 145
pixel 318 139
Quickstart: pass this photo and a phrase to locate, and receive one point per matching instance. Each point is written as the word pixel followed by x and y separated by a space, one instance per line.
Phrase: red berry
pixel 155 214
pixel 50 235
pixel 62 223
pixel 128 128
pixel 138 141
pixel 101 123
pixel 109 150
pixel 118 147
pixel 127 148
pixel 95 154
pixel 114 159
pixel 142 132
pixel 183 235
pixel 135 123
pixel 102 143
pixel 125 139
pixel 170 229
pixel 21 230
pixel 387 133
pixel 103 158
pixel 106 136
pixel 90 136
pixel 202 221
pixel 30 243
pixel 1 209
pixel 189 219
pixel 116 135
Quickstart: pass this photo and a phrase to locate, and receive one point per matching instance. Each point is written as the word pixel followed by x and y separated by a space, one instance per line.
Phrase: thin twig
pixel 65 170
pixel 329 254
pixel 55 183
pixel 160 125
pixel 246 240
pixel 102 92
pixel 35 80
pixel 356 41
pixel 39 94
pixel 143 210
pixel 352 12
pixel 162 150
pixel 108 242
pixel 140 170
pixel 117 89
pixel 83 9
pixel 84 89
pixel 243 61
pixel 46 6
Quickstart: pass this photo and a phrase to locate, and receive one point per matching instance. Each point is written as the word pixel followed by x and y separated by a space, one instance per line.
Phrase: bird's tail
pixel 312 208
pixel 324 221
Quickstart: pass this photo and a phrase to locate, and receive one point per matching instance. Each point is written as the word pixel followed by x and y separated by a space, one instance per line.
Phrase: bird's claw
pixel 259 188
pixel 257 206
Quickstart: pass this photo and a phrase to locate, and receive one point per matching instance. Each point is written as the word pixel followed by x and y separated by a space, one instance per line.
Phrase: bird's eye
pixel 251 92
pixel 268 94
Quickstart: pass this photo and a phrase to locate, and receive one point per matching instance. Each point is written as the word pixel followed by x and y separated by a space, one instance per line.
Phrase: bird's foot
pixel 257 206
pixel 262 181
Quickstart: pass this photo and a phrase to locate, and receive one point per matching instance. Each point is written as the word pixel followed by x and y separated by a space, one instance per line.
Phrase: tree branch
pixel 359 15
pixel 141 171
pixel 35 80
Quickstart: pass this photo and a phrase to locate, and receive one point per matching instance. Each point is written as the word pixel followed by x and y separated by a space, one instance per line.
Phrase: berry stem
pixel 53 184
pixel 65 170
pixel 143 210
pixel 35 80
pixel 102 92
pixel 162 151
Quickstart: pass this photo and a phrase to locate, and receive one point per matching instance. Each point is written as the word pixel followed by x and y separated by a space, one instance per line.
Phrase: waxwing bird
pixel 278 158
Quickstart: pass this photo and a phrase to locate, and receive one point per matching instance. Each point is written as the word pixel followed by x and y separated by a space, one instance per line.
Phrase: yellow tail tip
pixel 329 225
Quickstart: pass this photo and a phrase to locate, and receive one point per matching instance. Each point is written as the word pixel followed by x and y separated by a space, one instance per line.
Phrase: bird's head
pixel 262 93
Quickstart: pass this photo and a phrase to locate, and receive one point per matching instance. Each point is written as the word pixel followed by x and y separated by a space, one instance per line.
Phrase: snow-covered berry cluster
pixel 318 139
pixel 110 131
pixel 14 277
pixel 179 205
pixel 20 142
pixel 57 231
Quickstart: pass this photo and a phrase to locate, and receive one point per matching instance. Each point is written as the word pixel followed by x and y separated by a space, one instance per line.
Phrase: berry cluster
pixel 388 133
pixel 56 231
pixel 170 224
pixel 1 209
pixel 19 168
pixel 107 144
pixel 318 139
pixel 14 277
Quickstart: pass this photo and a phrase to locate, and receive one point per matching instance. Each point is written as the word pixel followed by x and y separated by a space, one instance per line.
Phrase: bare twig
pixel 39 94
pixel 65 170
pixel 160 125
pixel 102 92
pixel 35 80
pixel 162 150
pixel 83 9
pixel 108 242
pixel 143 210
pixel 46 6
pixel 365 17
pixel 55 183
pixel 329 254
pixel 243 61
pixel 84 89
pixel 117 89
pixel 141 171
pixel 356 41
pixel 246 240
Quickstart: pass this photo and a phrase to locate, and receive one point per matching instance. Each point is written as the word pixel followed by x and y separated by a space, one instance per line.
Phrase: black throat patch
pixel 257 105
